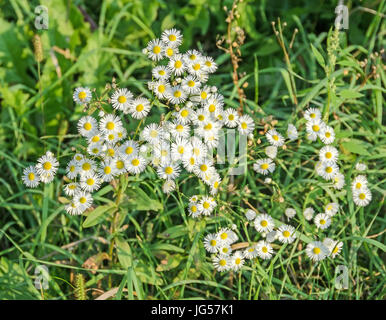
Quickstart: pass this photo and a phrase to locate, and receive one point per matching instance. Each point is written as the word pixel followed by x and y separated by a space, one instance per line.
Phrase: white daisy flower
pixel 160 88
pixel 74 209
pixel 155 49
pixel 95 149
pixel 312 114
pixel 237 261
pixel 331 209
pixel 202 96
pixel 192 55
pixel 170 51
pixel 226 236
pixel 286 233
pixel 225 250
pixel 184 115
pixel 136 165
pixel 196 68
pixel 316 251
pixel 333 246
pixel 168 186
pixel 121 99
pixel 82 95
pixel 290 213
pixel 292 132
pixel 250 214
pixel 139 108
pixel 179 130
pixel 107 171
pixel 169 171
pixel 46 167
pixel 362 197
pixel 264 166
pixel 204 167
pixel 31 177
pixel 160 73
pixel 194 212
pixel 110 124
pixel 264 250
pixel 128 149
pixel 264 223
pixel 231 118
pixel 205 206
pixel 328 153
pixel 327 135
pixel 211 243
pixel 83 200
pixel 213 105
pixel 191 85
pixel 177 65
pixel 251 252
pixel 172 37
pixel 176 95
pixel 322 221
pixel 360 166
pixel 210 65
pixel 119 165
pixel 215 182
pixel 95 138
pixel 275 138
pixel 338 181
pixel 314 127
pixel 86 167
pixel 110 150
pixel 221 263
pixel 328 170
pixel 180 149
pixel 90 183
pixel 152 133
pixel 87 126
pixel 78 157
pixel 200 117
pixel 308 213
pixel 359 182
pixel 72 169
pixel 71 188
pixel 271 151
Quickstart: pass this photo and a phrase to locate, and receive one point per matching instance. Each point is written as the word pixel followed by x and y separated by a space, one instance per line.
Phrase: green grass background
pixel 164 254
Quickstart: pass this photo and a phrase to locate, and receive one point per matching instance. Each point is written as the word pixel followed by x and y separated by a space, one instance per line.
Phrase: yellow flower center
pixel 184 113
pixel 264 249
pixel 191 83
pixel 135 162
pixel 47 165
pixel 161 72
pixel 95 139
pixel 286 234
pixel 312 115
pixel 156 49
pixel 203 95
pixel 224 236
pixel 177 93
pixel 328 169
pixel 275 137
pixel 90 181
pixel 208 63
pixel 177 64
pixel 168 170
pixel 327 134
pixel 203 167
pixel 328 155
pixel 231 117
pixel 264 223
pixel 212 108
pixel 197 67
pixel 358 185
pixel 237 261
pixel 110 125
pixel 161 88
pixel 72 186
pixel 72 168
pixel 322 221
pixel 264 166
pixel 154 134
pixel 172 37
pixel 120 164
pixel 208 126
pixel 169 52
pixel 206 205
pixel 244 125
pixel 192 161
pixel 222 262
pixel 181 149
pixel 215 185
pixel 82 200
pixel 139 107
pixel 179 127
pixel 107 170
pixel 111 152
pixel 82 95
pixel 86 166
pixel 129 150
pixel 194 209
pixel 31 176
pixel 201 117
pixel 315 128
pixel 316 250
pixel 213 242
pixel 87 126
pixel 192 57
pixel 362 196
pixel 122 99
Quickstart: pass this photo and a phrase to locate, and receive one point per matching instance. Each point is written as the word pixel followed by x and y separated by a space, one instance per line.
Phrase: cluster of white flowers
pixel 360 192
pixel 201 205
pixel 44 171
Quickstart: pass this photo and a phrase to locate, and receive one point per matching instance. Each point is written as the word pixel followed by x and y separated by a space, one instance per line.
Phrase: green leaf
pixel 355 146
pixel 173 232
pixel 350 94
pixel 318 56
pixel 170 262
pixel 124 253
pixel 97 215
pixel 139 200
